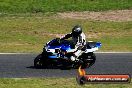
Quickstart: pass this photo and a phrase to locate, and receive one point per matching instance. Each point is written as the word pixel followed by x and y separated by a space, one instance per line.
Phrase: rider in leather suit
pixel 79 40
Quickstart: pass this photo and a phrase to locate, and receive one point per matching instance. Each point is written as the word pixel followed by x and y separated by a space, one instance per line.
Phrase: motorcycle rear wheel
pixel 38 63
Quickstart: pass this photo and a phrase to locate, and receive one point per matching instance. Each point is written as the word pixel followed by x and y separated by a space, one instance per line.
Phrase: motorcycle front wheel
pixel 88 60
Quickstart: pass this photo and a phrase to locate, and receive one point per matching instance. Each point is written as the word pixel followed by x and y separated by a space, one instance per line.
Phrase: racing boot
pixel 74 58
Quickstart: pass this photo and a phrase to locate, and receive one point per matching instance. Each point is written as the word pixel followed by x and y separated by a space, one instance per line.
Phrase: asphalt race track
pixel 21 66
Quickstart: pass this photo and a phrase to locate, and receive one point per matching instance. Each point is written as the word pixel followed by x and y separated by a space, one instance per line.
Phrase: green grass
pixel 53 83
pixel 28 34
pixel 44 6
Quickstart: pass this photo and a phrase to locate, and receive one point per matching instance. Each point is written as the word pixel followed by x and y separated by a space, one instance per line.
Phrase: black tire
pixel 89 60
pixel 38 63
pixel 93 59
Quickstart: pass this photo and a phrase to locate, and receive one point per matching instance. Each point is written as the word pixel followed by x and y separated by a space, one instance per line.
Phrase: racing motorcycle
pixel 58 52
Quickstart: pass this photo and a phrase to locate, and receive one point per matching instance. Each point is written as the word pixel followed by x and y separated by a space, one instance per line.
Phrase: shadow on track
pixel 51 67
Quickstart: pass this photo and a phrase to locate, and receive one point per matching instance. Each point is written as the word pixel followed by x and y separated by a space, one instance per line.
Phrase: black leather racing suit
pixel 79 42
